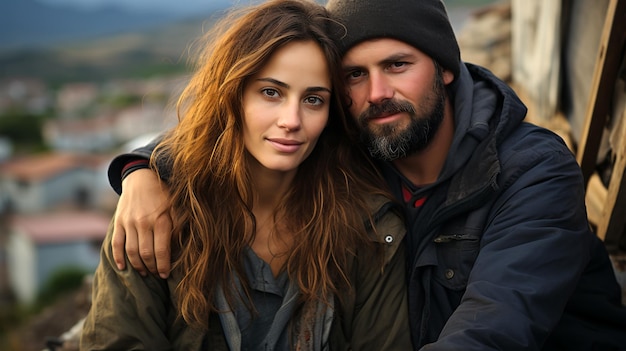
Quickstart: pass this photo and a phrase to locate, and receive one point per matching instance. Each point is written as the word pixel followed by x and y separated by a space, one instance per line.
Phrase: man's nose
pixel 380 89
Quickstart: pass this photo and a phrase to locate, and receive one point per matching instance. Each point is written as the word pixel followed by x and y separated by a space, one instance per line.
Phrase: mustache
pixel 390 106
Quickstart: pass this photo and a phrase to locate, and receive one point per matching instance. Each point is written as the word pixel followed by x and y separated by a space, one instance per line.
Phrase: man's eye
pixel 398 66
pixel 354 74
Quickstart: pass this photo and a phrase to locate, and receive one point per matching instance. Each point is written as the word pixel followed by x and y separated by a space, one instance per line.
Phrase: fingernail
pixel 163 275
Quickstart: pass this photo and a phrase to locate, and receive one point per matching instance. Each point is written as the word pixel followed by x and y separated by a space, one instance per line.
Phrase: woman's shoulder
pixel 389 227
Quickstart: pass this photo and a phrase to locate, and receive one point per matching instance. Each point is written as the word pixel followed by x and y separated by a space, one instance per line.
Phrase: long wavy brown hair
pixel 210 181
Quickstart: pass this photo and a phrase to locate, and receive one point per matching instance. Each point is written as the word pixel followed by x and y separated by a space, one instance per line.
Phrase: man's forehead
pixel 378 49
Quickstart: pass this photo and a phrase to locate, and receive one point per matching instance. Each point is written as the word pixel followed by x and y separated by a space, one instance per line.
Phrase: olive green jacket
pixel 131 312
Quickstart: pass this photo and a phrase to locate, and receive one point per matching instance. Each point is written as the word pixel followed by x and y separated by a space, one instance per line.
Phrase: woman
pixel 277 243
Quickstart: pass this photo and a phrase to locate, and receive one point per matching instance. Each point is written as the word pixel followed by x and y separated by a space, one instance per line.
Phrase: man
pixel 500 252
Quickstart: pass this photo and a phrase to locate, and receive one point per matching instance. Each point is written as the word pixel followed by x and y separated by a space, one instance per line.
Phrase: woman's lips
pixel 285 145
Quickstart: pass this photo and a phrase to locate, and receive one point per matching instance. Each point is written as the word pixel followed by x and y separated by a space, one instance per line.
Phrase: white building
pixel 41 244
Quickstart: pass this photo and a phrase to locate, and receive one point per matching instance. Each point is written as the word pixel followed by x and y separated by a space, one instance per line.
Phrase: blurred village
pixel 56 203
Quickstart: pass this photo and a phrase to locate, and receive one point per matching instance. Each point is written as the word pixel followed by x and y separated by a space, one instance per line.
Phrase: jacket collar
pixel 486 111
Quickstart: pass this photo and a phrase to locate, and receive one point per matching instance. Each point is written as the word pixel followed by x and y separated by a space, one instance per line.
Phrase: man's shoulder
pixel 531 147
pixel 528 136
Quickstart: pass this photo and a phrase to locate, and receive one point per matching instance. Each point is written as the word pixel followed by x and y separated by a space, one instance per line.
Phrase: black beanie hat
pixel 423 24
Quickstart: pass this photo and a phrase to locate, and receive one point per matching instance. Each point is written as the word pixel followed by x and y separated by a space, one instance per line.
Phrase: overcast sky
pixel 182 6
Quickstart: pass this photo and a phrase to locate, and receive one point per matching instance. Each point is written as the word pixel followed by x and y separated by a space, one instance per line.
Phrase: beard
pixel 390 141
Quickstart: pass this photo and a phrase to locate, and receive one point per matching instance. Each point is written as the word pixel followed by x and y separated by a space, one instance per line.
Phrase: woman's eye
pixel 313 100
pixel 270 92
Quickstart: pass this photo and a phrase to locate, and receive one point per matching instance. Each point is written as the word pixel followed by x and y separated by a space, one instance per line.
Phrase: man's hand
pixel 142 224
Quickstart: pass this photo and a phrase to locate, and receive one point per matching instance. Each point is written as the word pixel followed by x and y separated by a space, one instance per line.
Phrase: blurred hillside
pixel 132 55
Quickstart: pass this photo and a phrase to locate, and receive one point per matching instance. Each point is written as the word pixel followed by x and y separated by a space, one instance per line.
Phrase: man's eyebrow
pixel 397 57
pixel 347 68
pixel 385 61
pixel 287 86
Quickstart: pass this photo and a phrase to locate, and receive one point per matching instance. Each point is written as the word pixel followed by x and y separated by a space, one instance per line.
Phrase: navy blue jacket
pixel 501 256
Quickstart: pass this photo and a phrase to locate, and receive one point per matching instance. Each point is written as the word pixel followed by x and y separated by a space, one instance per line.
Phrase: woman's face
pixel 286 106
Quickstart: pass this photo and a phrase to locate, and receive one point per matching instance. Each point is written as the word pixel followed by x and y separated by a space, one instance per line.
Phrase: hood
pixel 483 106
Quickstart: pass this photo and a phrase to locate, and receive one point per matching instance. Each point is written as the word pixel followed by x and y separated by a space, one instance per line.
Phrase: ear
pixel 448 76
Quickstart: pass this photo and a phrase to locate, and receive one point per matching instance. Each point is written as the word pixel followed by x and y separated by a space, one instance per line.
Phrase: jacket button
pixel 449 273
pixel 388 239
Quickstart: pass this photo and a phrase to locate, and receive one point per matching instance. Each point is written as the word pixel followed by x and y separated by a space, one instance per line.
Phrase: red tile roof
pixel 44 166
pixel 60 227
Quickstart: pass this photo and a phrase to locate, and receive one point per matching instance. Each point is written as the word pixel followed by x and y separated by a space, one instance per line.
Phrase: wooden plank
pixel 613 222
pixel 603 83
pixel 595 200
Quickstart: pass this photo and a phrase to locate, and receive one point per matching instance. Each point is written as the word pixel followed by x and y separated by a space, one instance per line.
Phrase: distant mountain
pixel 137 54
pixel 31 24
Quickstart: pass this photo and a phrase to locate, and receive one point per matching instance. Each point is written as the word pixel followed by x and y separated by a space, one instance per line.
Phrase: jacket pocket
pixel 457 249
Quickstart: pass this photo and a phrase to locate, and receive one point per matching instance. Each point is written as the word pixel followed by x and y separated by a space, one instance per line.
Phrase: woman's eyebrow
pixel 287 86
pixel 274 81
